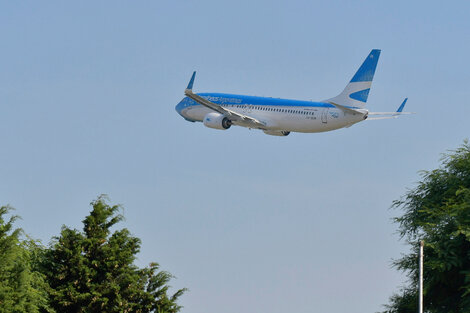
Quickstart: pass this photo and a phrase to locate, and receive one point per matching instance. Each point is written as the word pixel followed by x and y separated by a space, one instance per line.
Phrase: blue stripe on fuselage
pixel 231 99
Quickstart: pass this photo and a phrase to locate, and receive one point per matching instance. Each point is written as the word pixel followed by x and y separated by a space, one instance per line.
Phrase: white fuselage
pixel 293 116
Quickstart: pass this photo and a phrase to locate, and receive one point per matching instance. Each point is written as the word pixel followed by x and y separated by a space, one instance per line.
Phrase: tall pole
pixel 421 245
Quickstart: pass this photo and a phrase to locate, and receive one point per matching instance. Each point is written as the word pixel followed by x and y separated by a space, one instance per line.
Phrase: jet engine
pixel 217 121
pixel 277 132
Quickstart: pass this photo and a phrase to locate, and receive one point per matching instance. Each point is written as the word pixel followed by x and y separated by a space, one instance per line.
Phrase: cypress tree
pixel 93 270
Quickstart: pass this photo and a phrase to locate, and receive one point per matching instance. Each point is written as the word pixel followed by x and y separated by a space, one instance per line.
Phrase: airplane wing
pixel 235 117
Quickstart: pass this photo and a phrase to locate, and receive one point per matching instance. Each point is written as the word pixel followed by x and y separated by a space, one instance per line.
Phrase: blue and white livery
pixel 279 117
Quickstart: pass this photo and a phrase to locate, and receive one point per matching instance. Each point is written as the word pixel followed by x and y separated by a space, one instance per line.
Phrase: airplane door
pixel 324 115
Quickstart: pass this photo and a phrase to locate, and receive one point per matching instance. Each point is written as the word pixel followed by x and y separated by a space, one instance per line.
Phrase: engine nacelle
pixel 217 121
pixel 277 132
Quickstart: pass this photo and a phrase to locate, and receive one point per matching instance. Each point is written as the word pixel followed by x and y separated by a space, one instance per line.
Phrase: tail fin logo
pixel 366 72
pixel 360 95
pixel 356 92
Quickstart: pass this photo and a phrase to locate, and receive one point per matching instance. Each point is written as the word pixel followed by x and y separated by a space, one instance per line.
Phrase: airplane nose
pixel 179 107
pixel 182 108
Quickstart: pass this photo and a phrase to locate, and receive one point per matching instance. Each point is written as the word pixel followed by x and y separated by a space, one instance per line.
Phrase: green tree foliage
pixel 22 288
pixel 437 210
pixel 94 271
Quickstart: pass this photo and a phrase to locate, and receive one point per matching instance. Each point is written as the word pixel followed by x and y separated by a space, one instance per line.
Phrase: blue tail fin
pixel 367 70
pixel 357 91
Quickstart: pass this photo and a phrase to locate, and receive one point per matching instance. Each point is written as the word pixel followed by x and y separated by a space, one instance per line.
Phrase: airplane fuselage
pixel 281 115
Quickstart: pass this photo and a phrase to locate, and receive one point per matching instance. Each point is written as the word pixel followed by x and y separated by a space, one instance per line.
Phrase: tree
pixel 437 211
pixel 22 288
pixel 94 271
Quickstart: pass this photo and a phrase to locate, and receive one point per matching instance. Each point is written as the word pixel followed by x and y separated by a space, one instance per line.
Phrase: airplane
pixel 280 117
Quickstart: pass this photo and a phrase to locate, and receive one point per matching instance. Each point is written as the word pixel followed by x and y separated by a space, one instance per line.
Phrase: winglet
pixel 402 106
pixel 191 82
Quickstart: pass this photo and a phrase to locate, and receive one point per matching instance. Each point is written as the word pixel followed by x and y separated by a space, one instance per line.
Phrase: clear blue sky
pixel 248 222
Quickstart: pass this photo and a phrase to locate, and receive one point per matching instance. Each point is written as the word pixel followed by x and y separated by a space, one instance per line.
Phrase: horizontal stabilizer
pixel 380 118
pixel 390 114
